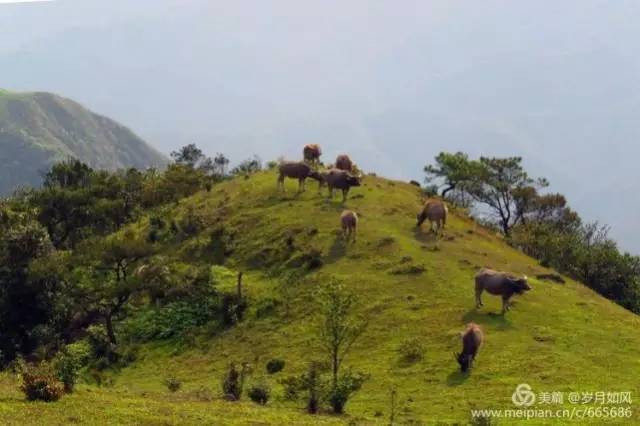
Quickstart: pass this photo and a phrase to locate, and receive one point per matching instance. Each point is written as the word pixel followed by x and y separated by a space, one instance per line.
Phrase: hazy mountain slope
pixel 37 129
pixel 562 338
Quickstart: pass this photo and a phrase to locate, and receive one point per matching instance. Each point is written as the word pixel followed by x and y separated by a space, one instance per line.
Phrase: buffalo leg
pixel 505 304
pixel 478 296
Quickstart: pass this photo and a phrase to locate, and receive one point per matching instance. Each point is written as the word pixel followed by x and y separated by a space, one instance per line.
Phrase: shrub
pixel 41 384
pixel 67 368
pixel 173 384
pixel 170 320
pixel 233 309
pixel 260 393
pixel 346 386
pixel 100 345
pixel 275 365
pixel 411 350
pixel 233 382
pixel 309 384
pixel 482 421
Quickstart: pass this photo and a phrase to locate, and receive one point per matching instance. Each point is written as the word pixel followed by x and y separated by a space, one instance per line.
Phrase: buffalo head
pixel 465 361
pixel 520 285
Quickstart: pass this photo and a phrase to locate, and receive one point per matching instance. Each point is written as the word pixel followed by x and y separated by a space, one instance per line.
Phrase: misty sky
pixel 392 83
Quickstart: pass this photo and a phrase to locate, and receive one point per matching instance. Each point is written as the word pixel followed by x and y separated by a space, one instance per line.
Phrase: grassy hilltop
pixel 558 337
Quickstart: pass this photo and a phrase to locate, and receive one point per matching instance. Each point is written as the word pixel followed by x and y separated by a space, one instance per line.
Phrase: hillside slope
pixel 558 337
pixel 37 129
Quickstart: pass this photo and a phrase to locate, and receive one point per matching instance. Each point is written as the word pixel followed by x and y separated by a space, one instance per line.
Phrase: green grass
pixel 557 337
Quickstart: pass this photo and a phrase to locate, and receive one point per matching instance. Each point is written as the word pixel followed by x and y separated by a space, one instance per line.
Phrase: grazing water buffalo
pixel 349 222
pixel 312 153
pixel 499 284
pixel 296 170
pixel 343 162
pixel 340 179
pixel 471 341
pixel 436 211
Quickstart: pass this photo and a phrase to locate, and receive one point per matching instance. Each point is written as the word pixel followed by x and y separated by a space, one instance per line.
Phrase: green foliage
pixel 338 329
pixel 260 393
pixel 310 386
pixel 247 167
pixel 233 382
pixel 348 383
pixel 411 350
pixel 170 320
pixel 39 383
pixel 275 365
pixel 67 364
pixel 456 172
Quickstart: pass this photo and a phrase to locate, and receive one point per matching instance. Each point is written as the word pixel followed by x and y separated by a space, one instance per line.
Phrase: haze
pixel 391 83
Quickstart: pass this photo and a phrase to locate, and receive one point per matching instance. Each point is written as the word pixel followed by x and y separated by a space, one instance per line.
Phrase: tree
pixel 453 171
pixel 505 188
pixel 338 330
pixel 71 173
pixel 107 274
pixel 25 305
pixel 192 157
pixel 248 166
pixel 220 163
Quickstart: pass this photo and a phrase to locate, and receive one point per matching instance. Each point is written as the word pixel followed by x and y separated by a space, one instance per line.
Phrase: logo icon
pixel 523 396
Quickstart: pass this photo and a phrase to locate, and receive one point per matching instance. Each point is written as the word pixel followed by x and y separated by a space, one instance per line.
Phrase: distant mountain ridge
pixel 38 129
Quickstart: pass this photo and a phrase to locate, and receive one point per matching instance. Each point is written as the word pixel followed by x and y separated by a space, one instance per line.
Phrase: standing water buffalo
pixel 436 211
pixel 349 222
pixel 499 284
pixel 343 162
pixel 340 179
pixel 296 170
pixel 311 153
pixel 471 341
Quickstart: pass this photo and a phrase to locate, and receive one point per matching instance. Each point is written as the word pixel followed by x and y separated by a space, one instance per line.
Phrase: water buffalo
pixel 340 179
pixel 499 284
pixel 471 341
pixel 296 170
pixel 436 211
pixel 311 153
pixel 343 162
pixel 349 222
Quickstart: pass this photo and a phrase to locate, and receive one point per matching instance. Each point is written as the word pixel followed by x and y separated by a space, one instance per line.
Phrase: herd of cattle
pixel 341 176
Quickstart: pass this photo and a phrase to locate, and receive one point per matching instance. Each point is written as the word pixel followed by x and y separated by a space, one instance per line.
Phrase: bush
pixel 170 320
pixel 233 382
pixel 310 385
pixel 67 368
pixel 411 350
pixel 347 385
pixel 41 384
pixel 233 309
pixel 275 365
pixel 100 345
pixel 173 384
pixel 260 393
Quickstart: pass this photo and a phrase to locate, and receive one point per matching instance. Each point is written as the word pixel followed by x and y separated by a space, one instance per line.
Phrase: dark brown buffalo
pixel 471 341
pixel 499 284
pixel 340 179
pixel 343 162
pixel 296 170
pixel 436 212
pixel 311 153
